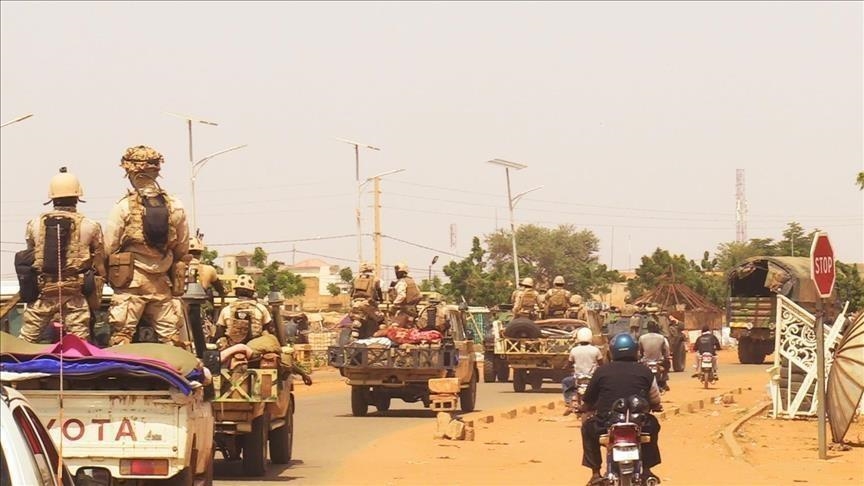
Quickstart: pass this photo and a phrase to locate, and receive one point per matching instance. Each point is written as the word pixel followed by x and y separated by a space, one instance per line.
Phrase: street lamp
pixel 357 146
pixel 377 179
pixel 189 119
pixel 511 201
pixel 434 259
pixel 196 167
pixel 20 118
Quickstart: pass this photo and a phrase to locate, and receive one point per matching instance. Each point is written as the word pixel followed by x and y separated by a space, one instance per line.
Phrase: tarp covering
pixel 81 359
pixel 789 276
pixel 846 379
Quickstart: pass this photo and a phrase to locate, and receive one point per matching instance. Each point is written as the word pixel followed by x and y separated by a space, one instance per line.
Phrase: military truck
pixel 253 408
pixel 379 371
pixel 538 350
pixel 752 303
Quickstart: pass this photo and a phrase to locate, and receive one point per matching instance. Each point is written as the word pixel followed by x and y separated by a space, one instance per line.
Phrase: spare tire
pixel 522 327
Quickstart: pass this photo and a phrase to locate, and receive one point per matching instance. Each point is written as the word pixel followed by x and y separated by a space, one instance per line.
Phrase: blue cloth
pixel 83 367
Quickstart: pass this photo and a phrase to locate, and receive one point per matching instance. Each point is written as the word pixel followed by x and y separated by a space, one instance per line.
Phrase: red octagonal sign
pixel 822 264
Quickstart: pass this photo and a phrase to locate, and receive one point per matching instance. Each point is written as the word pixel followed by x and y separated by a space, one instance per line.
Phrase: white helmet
pixel 584 335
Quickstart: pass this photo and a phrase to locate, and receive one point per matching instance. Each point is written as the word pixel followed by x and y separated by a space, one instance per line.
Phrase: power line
pixel 271 242
pixel 422 246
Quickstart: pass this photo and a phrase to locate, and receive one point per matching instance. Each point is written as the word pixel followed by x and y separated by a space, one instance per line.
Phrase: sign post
pixel 822 271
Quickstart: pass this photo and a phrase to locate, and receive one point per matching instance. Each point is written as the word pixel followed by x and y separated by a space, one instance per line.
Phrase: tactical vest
pixel 530 298
pixel 74 256
pixel 244 323
pixel 149 220
pixel 557 300
pixel 412 292
pixel 364 287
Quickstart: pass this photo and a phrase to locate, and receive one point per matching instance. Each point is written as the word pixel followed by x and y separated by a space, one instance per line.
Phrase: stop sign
pixel 822 264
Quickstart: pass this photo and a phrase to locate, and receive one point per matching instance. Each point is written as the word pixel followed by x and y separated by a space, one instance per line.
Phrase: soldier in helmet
pixel 203 273
pixel 244 319
pixel 557 299
pixel 147 240
pixel 69 262
pixel 406 296
pixel 577 308
pixel 526 299
pixel 365 296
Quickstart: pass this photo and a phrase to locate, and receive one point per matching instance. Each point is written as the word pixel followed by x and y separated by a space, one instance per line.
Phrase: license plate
pixel 620 454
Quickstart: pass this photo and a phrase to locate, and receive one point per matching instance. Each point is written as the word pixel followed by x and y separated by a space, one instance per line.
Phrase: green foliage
pixel 434 285
pixel 850 286
pixel 470 280
pixel 664 268
pixel 209 256
pixel 346 275
pixel 259 257
pixel 333 289
pixel 860 180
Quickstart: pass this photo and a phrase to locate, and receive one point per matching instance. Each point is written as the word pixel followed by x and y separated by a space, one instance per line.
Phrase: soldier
pixel 406 296
pixel 526 299
pixel 147 240
pixel 244 319
pixel 69 262
pixel 557 299
pixel 203 273
pixel 365 296
pixel 577 309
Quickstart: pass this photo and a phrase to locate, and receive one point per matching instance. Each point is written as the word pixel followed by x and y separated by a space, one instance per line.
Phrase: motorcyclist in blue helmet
pixel 621 378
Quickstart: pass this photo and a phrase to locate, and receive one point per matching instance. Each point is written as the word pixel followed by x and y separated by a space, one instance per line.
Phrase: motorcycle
pixel 623 442
pixel 582 381
pixel 657 370
pixel 706 369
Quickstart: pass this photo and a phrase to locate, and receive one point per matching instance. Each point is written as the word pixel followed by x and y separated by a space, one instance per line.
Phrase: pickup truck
pixel 139 412
pixel 380 371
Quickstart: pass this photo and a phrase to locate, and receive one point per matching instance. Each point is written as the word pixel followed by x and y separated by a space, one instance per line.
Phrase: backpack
pixel 558 301
pixel 363 286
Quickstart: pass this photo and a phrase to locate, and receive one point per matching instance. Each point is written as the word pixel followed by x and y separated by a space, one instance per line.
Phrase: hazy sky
pixel 633 116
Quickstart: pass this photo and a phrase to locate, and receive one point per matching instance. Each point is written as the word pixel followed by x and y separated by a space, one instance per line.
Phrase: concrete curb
pixel 729 432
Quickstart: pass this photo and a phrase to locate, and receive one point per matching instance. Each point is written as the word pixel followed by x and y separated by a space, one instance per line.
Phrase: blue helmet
pixel 623 347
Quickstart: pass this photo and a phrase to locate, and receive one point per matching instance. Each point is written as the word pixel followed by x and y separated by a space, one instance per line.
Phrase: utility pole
pixel 378 227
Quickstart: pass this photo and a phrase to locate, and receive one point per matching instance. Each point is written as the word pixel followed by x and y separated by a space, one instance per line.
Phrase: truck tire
pixel 282 439
pixel 468 396
pixel 359 405
pixel 502 370
pixel 522 327
pixel 255 447
pixel 382 403
pixel 489 373
pixel 744 347
pixel 519 380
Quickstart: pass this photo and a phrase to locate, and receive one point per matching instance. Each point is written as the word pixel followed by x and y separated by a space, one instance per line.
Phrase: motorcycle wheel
pixel 707 378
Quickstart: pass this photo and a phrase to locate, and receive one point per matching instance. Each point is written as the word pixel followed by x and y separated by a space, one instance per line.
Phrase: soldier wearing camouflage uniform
pixel 365 296
pixel 244 319
pixel 147 239
pixel 577 309
pixel 526 299
pixel 203 273
pixel 406 296
pixel 69 256
pixel 557 299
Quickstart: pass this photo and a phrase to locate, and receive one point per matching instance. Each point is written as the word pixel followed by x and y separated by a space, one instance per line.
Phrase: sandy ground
pixel 544 447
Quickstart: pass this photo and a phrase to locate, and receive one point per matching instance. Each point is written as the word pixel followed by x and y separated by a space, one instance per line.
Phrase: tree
pixel 273 278
pixel 434 285
pixel 346 275
pixel 795 242
pixel 259 257
pixel 664 268
pixel 547 252
pixel 333 289
pixel 860 180
pixel 469 279
pixel 850 286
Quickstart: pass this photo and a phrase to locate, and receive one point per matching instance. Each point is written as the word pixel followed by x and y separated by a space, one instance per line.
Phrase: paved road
pixel 326 433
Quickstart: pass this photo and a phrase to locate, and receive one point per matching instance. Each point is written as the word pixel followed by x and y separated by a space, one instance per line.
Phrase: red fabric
pixel 401 335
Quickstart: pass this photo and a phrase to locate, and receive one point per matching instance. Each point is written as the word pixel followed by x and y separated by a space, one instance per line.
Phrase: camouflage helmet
pixel 401 267
pixel 195 244
pixel 64 184
pixel 559 281
pixel 576 300
pixel 140 158
pixel 245 282
pixel 527 282
pixel 366 267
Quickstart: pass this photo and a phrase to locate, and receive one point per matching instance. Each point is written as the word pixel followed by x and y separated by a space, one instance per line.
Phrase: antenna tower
pixel 740 207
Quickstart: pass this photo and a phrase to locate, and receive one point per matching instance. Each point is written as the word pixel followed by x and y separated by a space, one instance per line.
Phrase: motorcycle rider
pixel 557 299
pixel 526 299
pixel 707 342
pixel 585 358
pixel 621 378
pixel 654 346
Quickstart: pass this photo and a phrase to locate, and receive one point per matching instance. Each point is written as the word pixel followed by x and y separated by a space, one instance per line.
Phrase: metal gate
pixel 793 380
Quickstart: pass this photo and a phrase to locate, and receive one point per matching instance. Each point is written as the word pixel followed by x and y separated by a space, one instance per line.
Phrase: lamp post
pixel 189 119
pixel 20 118
pixel 357 146
pixel 196 167
pixel 434 259
pixel 511 201
pixel 377 179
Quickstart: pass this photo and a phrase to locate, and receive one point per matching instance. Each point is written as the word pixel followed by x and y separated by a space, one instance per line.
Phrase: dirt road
pixel 545 448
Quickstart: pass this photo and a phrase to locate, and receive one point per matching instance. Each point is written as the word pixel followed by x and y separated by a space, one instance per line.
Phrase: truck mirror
pixel 93 476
